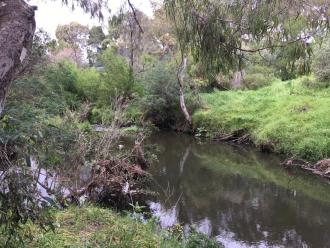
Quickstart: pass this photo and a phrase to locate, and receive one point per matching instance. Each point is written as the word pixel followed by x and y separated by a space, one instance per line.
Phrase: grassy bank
pixel 96 227
pixel 289 117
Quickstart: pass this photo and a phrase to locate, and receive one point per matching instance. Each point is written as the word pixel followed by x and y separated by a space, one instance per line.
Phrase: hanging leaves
pixel 218 33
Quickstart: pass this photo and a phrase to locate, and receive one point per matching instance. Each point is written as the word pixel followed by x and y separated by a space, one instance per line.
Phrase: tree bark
pixel 238 80
pixel 180 76
pixel 17 27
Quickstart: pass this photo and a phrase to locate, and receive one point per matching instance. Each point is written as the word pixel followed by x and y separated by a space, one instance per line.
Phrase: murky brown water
pixel 242 197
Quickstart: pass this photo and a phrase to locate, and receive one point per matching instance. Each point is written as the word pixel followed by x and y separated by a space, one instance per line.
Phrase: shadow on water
pixel 241 196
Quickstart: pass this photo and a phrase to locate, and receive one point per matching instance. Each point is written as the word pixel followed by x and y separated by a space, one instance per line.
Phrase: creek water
pixel 242 197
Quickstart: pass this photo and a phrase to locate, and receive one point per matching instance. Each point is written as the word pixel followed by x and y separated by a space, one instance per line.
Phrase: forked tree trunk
pixel 17 27
pixel 180 75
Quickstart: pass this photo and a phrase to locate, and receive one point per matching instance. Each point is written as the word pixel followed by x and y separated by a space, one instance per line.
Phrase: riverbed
pixel 240 196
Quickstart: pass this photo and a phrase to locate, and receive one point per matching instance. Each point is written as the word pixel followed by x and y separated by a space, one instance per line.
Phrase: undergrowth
pixel 91 226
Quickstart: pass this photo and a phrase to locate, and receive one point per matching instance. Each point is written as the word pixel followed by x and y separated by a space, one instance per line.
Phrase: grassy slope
pixel 91 226
pixel 291 118
pixel 96 227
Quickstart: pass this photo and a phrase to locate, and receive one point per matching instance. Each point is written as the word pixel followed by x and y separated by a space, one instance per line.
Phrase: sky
pixel 51 13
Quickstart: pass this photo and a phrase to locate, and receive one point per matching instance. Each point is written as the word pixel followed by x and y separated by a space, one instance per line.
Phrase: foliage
pixel 161 101
pixel 117 76
pixel 96 36
pixel 200 240
pixel 322 62
pixel 312 83
pixel 43 120
pixel 92 226
pixel 20 203
pixel 93 7
pixel 62 77
pixel 73 36
pixel 258 76
pixel 96 44
pixel 293 61
pixel 286 117
pixel 219 33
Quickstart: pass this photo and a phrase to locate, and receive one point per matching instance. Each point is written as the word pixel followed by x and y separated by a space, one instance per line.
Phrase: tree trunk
pixel 180 75
pixel 17 27
pixel 238 80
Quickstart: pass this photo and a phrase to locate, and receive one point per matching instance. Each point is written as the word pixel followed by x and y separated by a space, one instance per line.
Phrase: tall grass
pixel 289 117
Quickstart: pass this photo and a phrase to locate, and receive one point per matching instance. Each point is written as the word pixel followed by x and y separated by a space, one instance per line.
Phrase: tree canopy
pixel 218 33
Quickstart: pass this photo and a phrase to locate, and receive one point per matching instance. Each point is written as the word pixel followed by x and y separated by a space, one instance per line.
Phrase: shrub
pixel 102 115
pixel 313 83
pixel 199 240
pixel 257 80
pixel 62 76
pixel 258 76
pixel 322 62
pixel 116 75
pixel 90 86
pixel 161 102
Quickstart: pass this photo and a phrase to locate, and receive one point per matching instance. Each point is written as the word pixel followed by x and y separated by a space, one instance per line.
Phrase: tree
pixel 74 35
pixel 96 36
pixel 17 27
pixel 218 33
pixel 322 62
pixel 95 44
pixel 126 29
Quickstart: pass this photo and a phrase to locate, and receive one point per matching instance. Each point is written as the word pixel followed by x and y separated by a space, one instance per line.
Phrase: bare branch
pixel 135 16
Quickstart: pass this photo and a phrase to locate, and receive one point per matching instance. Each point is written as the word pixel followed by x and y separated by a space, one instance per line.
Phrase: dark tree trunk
pixel 17 27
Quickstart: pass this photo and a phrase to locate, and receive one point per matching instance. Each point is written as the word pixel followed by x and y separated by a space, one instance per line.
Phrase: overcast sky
pixel 52 13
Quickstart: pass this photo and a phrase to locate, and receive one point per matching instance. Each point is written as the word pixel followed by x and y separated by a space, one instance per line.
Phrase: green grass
pixel 287 116
pixel 91 226
pixel 97 227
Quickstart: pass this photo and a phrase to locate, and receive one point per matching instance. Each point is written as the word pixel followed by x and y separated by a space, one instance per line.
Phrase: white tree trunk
pixel 238 80
pixel 180 76
pixel 17 27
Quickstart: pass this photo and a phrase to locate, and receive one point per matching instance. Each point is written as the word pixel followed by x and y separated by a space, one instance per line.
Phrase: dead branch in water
pixel 237 137
pixel 321 168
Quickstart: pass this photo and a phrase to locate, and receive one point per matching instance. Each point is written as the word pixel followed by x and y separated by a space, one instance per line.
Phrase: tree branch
pixel 135 16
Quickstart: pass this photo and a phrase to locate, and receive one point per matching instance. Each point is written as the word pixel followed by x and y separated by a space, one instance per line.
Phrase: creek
pixel 239 195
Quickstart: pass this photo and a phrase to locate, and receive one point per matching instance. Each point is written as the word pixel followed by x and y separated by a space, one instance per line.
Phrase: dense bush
pixel 258 75
pixel 90 86
pixel 313 83
pixel 117 76
pixel 161 101
pixel 257 80
pixel 322 62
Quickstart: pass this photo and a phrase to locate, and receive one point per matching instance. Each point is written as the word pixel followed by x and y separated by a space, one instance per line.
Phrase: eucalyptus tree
pixel 219 32
pixel 75 36
pixel 95 44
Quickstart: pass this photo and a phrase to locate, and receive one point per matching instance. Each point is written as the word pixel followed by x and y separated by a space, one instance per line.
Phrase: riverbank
pixel 290 118
pixel 91 226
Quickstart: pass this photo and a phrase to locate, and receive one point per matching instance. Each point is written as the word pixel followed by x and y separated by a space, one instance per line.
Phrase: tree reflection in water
pixel 239 195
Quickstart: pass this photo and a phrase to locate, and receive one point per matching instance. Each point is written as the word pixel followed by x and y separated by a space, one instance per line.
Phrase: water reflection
pixel 241 196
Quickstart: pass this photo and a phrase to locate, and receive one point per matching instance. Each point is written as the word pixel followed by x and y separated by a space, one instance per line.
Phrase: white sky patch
pixel 50 13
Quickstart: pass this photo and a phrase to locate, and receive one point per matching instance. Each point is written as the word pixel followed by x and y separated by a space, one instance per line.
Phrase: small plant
pixel 199 240
pixel 201 132
pixel 136 208
pixel 176 231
